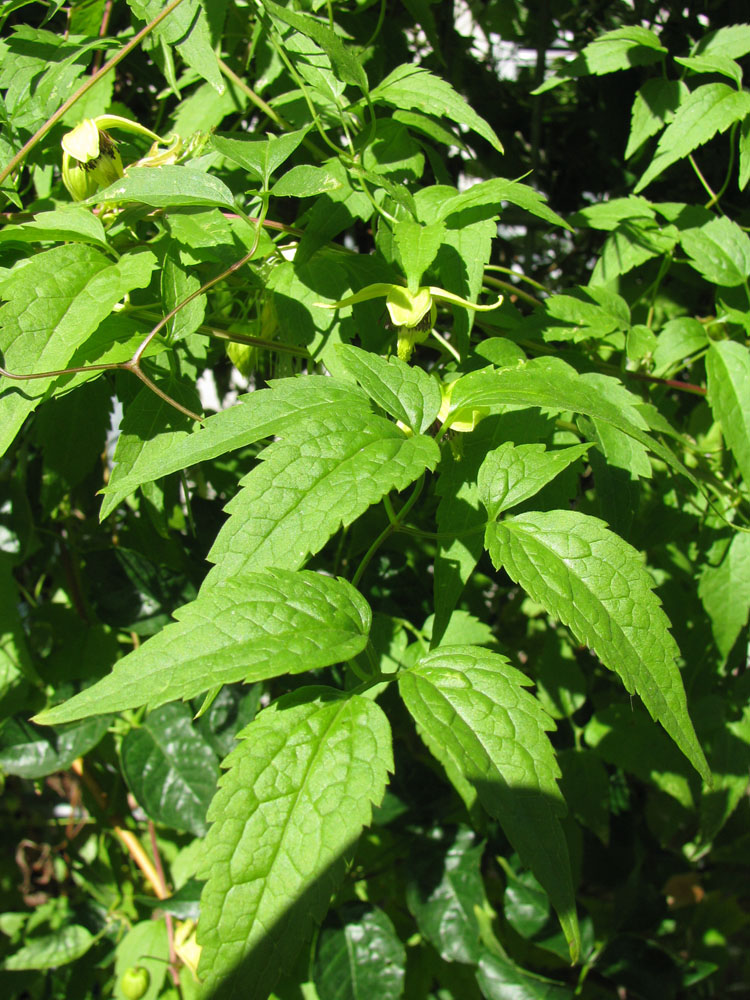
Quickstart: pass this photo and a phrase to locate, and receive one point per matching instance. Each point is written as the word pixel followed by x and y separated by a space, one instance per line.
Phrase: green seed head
pixel 90 160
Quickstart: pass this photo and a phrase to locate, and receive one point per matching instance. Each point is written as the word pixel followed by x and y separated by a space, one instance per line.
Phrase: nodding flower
pixel 412 313
pixel 91 160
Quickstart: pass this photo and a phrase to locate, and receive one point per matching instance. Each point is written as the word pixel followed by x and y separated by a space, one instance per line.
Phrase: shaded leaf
pixel 296 794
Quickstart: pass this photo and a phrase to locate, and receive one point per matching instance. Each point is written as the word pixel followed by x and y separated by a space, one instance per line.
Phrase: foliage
pixel 405 652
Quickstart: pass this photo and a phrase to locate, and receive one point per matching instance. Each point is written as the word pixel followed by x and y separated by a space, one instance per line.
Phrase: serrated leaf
pixel 728 390
pixel 161 187
pixel 304 181
pixel 730 763
pixel 445 891
pixel 54 304
pixel 261 157
pixel 709 109
pixel 364 958
pixel 348 66
pixel 170 769
pixel 297 792
pixel 596 584
pixel 408 393
pixel 323 474
pixel 511 474
pixel 654 107
pixel 551 383
pixel 608 215
pixel 720 251
pixel 188 30
pixel 490 735
pixel 621 49
pixel 724 589
pixel 732 42
pixel 630 245
pixel 253 626
pixel 256 416
pixel 677 340
pixel 412 87
pixel 484 200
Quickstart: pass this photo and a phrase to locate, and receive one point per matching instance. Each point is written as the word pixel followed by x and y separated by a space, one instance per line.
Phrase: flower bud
pixel 90 160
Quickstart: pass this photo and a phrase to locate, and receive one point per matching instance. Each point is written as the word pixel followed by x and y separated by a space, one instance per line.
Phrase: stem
pixel 84 88
pixel 128 839
pixel 388 530
pixel 254 98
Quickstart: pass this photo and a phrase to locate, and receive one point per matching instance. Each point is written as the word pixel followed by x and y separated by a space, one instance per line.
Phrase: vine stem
pixel 134 364
pixel 84 88
pixel 128 839
pixel 393 525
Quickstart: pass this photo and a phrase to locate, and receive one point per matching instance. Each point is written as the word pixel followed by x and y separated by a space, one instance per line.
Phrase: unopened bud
pixel 91 160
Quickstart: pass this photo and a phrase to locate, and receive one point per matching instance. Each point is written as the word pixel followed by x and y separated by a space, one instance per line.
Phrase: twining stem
pixel 134 364
pixel 128 839
pixel 84 88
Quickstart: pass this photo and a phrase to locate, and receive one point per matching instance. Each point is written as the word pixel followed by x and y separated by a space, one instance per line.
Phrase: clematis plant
pixel 412 313
pixel 91 160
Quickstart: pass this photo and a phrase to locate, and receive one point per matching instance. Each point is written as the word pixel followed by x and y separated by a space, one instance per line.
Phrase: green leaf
pixel 15 659
pixel 416 247
pixel 630 245
pixel 621 49
pixel 551 383
pixel 54 304
pixel 624 736
pixel 511 474
pixel 187 29
pixel 608 215
pixel 500 979
pixel 490 735
pixel 713 63
pixel 730 762
pixel 677 340
pixel 484 200
pixel 256 416
pixel 363 958
pixel 585 787
pixel 51 950
pixel 347 65
pixel 296 795
pixel 744 165
pixel 728 389
pixel 253 626
pixel 161 187
pixel 709 109
pixel 596 584
pixel 261 157
pixel 71 224
pixel 305 181
pixel 323 474
pixel 731 42
pixel 445 891
pixel 409 394
pixel 720 251
pixel 724 589
pixel 412 87
pixel 170 769
pixel 654 107
pixel 177 283
pixel 525 903
pixel 30 754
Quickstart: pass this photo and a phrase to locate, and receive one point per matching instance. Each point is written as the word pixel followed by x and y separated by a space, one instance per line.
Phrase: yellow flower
pixel 90 157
